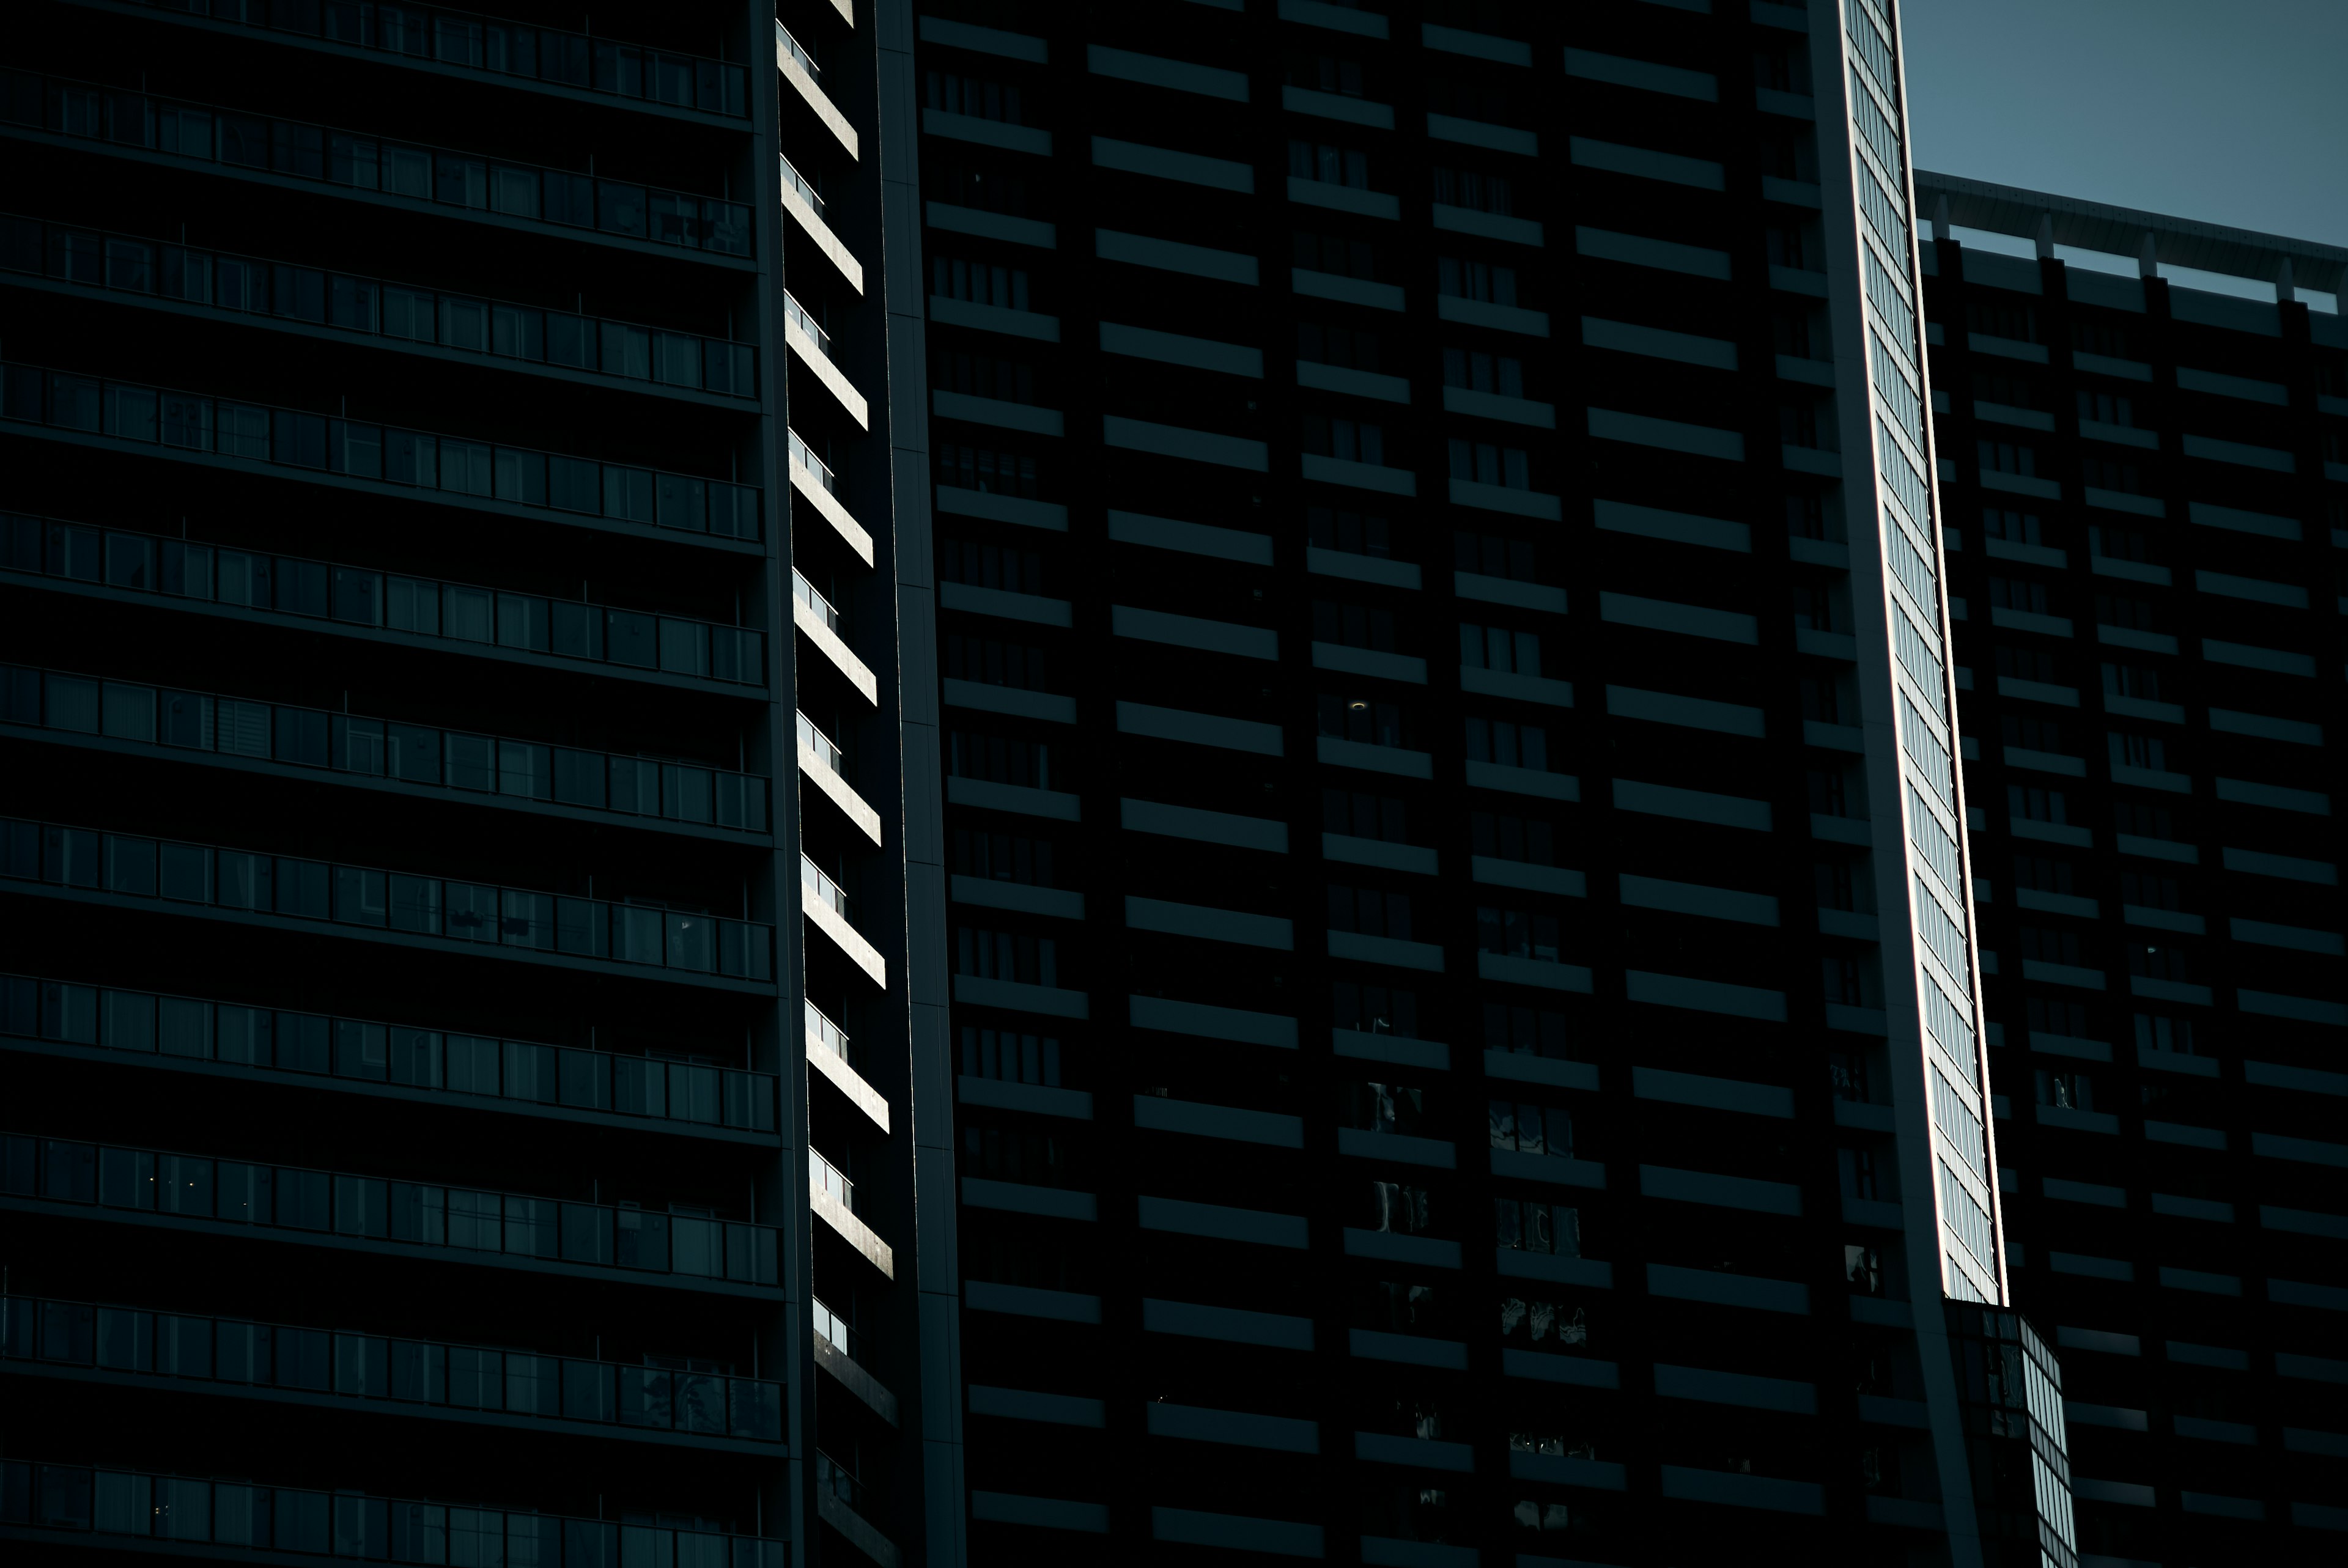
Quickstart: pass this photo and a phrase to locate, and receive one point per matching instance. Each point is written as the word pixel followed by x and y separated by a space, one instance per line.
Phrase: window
pixel 1010 1056
pixel 1822 699
pixel 2113 340
pixel 1002 858
pixel 1506 745
pixel 1798 425
pixel 986 469
pixel 2141 681
pixel 983 375
pixel 1353 625
pixel 960 184
pixel 1335 253
pixel 2129 614
pixel 988 954
pixel 1328 164
pixel 2027 664
pixel 1817 607
pixel 1473 370
pixel 1352 348
pixel 2139 751
pixel 1354 813
pixel 1369 912
pixel 2043 873
pixel 973 95
pixel 1992 319
pixel 2106 407
pixel 1480 280
pixel 2052 1015
pixel 2009 457
pixel 1837 887
pixel 1830 793
pixel 993 661
pixel 990 566
pixel 2107 474
pixel 1360 719
pixel 1383 1108
pixel 1017 1155
pixel 1544 1325
pixel 1500 649
pixel 2067 1090
pixel 2143 820
pixel 2156 1032
pixel 1355 533
pixel 1373 1010
pixel 1396 1207
pixel 2014 528
pixel 1517 933
pixel 2018 593
pixel 1782 68
pixel 1487 463
pixel 1494 555
pixel 979 283
pixel 1527 1225
pixel 2050 947
pixel 1531 1031
pixel 2146 890
pixel 1465 98
pixel 998 759
pixel 1479 192
pixel 1532 840
pixel 2031 802
pixel 1347 440
pixel 1529 1128
pixel 2033 734
pixel 2003 387
pixel 2156 962
pixel 1326 74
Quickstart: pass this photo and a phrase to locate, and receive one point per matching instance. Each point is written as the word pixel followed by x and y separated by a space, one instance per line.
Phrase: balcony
pixel 823 903
pixel 332 1209
pixel 408 1377
pixel 467 913
pixel 832 1197
pixel 814 614
pixel 835 1352
pixel 827 764
pixel 485 768
pixel 188 426
pixel 75 1501
pixel 840 1502
pixel 804 206
pixel 812 477
pixel 813 345
pixel 444 1068
pixel 826 1051
pixel 799 69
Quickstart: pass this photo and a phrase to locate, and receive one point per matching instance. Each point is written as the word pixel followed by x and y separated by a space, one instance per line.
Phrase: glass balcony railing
pixel 432 175
pixel 489 44
pixel 367 1367
pixel 814 740
pixel 328 1202
pixel 836 1480
pixel 238 1515
pixel 354 595
pixel 412 459
pixel 794 180
pixel 797 51
pixel 372 308
pixel 826 1178
pixel 804 591
pixel 472 912
pixel 378 748
pixel 439 1062
pixel 825 1035
pixel 817 469
pixel 796 313
pixel 831 1327
pixel 822 889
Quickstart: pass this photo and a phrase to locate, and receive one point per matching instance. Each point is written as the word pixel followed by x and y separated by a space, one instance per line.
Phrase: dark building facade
pixel 2147 491
pixel 459 999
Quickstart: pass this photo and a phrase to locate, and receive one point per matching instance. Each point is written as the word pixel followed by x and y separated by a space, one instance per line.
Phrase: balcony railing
pixel 832 1328
pixel 491 44
pixel 367 1367
pixel 804 591
pixel 435 176
pixel 796 313
pixel 826 1178
pixel 837 1480
pixel 202 875
pixel 823 889
pixel 827 1035
pixel 283 1198
pixel 814 740
pixel 314 1045
pixel 412 459
pixel 80 1499
pixel 803 457
pixel 794 180
pixel 792 47
pixel 412 606
pixel 373 308
pixel 378 748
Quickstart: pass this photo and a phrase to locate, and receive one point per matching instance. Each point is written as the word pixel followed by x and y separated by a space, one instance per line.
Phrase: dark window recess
pixel 2143 820
pixel 1360 719
pixel 977 281
pixel 1012 1154
pixel 1373 1010
pixel 1517 933
pixel 1353 625
pixel 2009 457
pixel 1506 745
pixel 2018 593
pixel 988 469
pixel 1326 74
pixel 998 759
pixel 1369 912
pixel 993 661
pixel 1482 281
pixel 1530 1129
pixel 1992 319
pixel 1329 164
pixel 1494 555
pixel 983 375
pixel 1545 1324
pixel 2050 947
pixel 1530 839
pixel 1383 1108
pixel 2156 1032
pixel 2043 873
pixel 2034 735
pixel 1475 190
pixel 2113 340
pixel 2107 407
pixel 1837 887
pixel 974 96
pixel 1010 1056
pixel 1355 533
pixel 2111 473
pixel 1817 608
pixel 1534 1032
pixel 985 953
pixel 1352 348
pixel 1463 97
pixel 1395 1207
pixel 1346 440
pixel 2033 804
pixel 1788 154
pixel 1830 793
pixel 2129 614
pixel 1821 699
pixel 2014 528
pixel 1782 68
pixel 2138 680
pixel 960 184
pixel 1338 253
pixel 1527 1225
pixel 1356 813
pixel 1002 858
pixel 990 566
pixel 1473 370
pixel 2057 1015
pixel 2013 391
pixel 2027 664
pixel 2156 962
pixel 2067 1090
pixel 2146 890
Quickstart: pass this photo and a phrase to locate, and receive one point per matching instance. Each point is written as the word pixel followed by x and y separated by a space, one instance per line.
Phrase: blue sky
pixel 2230 111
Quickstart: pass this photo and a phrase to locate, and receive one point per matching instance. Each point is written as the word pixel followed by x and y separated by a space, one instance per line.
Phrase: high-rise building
pixel 449 557
pixel 1463 1001
pixel 2145 489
